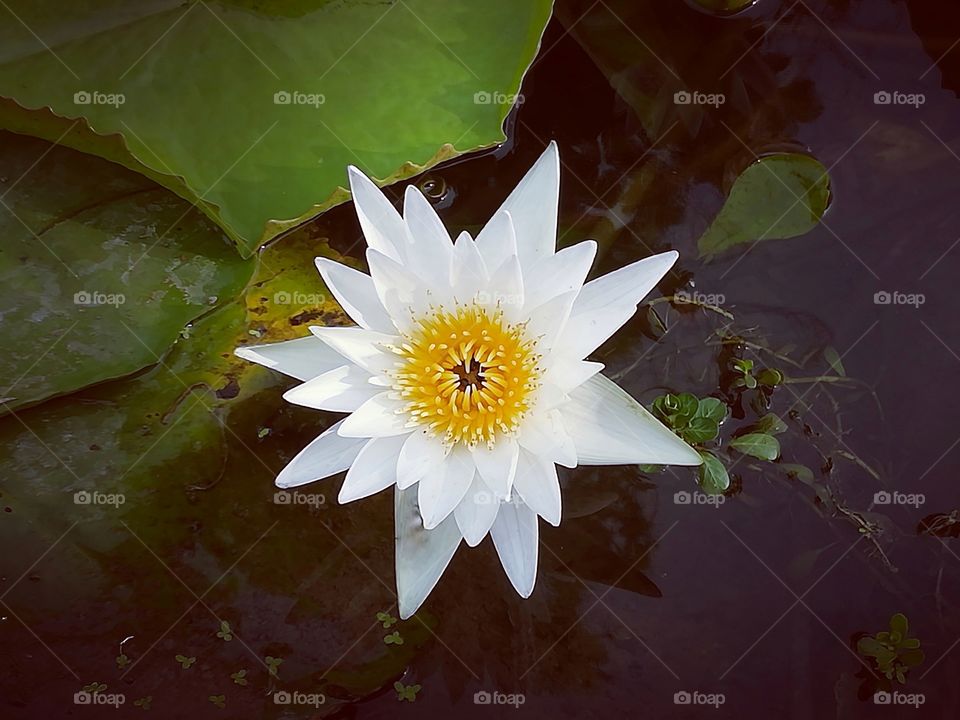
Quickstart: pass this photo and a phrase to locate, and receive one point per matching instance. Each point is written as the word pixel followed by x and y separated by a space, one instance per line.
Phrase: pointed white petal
pixel 516 536
pixel 533 206
pixel 428 242
pixel 545 435
pixel 421 453
pixel 560 273
pixel 377 417
pixel 609 427
pixel 568 373
pixel 548 322
pixel 498 465
pixel 497 241
pixel 402 292
pixel 606 303
pixel 476 512
pixel 382 225
pixel 421 555
pixel 325 456
pixel 356 294
pixel 468 274
pixel 505 290
pixel 343 389
pixel 537 483
pixel 365 348
pixel 303 358
pixel 374 469
pixel 444 486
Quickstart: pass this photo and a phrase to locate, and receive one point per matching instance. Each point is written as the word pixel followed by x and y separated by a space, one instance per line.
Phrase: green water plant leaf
pixel 252 110
pixel 779 196
pixel 714 479
pixel 758 445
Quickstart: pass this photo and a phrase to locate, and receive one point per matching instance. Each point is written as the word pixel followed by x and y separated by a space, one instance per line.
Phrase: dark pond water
pixel 758 602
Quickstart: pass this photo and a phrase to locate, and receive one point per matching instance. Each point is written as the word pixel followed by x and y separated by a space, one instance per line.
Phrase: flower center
pixel 467 375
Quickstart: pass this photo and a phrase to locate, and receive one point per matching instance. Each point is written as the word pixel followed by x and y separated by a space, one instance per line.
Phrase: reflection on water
pixel 640 596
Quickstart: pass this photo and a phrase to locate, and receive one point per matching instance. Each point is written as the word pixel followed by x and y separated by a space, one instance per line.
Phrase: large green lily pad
pixel 100 269
pixel 253 109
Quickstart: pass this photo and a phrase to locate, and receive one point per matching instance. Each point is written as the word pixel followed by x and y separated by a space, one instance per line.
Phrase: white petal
pixel 401 292
pixel 325 456
pixel 421 452
pixel 377 417
pixel 497 241
pixel 468 274
pixel 606 303
pixel 505 290
pixel 429 246
pixel 515 535
pixel 374 469
pixel 382 225
pixel 343 389
pixel 568 373
pixel 537 483
pixel 609 427
pixel 303 358
pixel 365 348
pixel 476 512
pixel 545 435
pixel 533 206
pixel 560 273
pixel 356 294
pixel 444 486
pixel 498 465
pixel 422 555
pixel 548 322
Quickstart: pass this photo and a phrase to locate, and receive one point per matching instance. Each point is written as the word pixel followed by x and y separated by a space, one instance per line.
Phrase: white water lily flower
pixel 465 379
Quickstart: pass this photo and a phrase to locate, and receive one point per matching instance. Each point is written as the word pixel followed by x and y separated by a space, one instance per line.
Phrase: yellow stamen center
pixel 467 375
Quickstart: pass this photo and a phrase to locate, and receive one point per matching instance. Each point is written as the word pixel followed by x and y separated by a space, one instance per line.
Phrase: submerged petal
pixel 421 555
pixel 608 427
pixel 325 456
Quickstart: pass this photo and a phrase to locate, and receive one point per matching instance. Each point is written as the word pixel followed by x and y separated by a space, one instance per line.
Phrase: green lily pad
pixel 779 196
pixel 100 270
pixel 252 109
